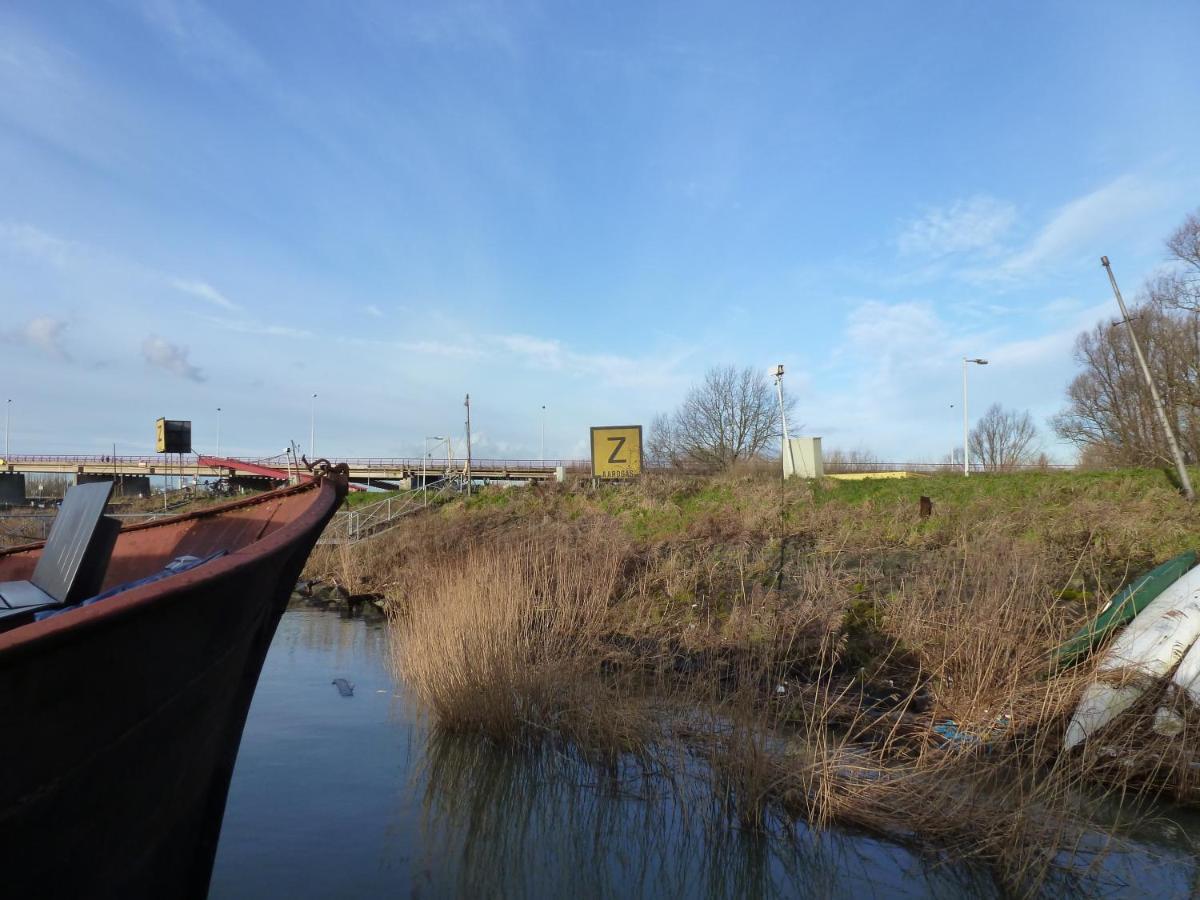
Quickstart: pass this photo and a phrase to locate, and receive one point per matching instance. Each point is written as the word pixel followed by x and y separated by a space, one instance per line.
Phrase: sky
pixel 577 206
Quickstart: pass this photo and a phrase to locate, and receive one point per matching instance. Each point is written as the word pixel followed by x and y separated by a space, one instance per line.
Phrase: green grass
pixel 1044 486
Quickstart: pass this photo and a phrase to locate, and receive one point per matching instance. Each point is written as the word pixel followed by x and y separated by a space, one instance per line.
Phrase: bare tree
pixel 732 415
pixel 857 460
pixel 1004 439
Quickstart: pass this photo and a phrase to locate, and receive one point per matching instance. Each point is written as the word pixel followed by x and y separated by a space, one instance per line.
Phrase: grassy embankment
pixel 809 644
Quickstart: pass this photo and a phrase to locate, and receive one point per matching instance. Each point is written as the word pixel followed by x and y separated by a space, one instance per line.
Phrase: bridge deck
pixel 383 468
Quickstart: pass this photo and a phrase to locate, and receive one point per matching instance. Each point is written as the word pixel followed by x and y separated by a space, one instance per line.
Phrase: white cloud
pixel 204 291
pixel 372 310
pixel 170 357
pixel 973 224
pixel 44 333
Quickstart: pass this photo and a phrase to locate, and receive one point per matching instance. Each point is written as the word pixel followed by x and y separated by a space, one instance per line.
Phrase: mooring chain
pixel 322 467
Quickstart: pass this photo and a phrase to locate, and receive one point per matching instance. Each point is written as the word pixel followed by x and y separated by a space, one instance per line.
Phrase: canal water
pixel 351 796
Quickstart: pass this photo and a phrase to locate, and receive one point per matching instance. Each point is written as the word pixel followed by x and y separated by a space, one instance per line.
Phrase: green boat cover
pixel 1126 604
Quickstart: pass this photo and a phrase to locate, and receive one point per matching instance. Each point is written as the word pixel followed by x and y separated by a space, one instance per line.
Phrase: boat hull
pixel 123 721
pixel 1126 604
pixel 1144 653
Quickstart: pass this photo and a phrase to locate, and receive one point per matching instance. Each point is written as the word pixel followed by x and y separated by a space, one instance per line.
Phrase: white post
pixel 218 432
pixel 542 454
pixel 424 478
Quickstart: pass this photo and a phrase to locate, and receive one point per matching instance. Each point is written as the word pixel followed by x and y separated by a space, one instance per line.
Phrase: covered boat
pixel 121 716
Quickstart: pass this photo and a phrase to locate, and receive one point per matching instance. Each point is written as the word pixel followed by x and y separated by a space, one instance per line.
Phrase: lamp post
pixel 542 452
pixel 7 417
pixel 218 432
pixel 312 428
pixel 966 441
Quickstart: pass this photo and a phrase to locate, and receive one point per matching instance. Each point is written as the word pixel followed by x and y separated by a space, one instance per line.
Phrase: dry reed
pixel 847 663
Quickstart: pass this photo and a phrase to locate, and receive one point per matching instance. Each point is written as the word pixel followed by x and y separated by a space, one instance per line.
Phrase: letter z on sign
pixel 616 451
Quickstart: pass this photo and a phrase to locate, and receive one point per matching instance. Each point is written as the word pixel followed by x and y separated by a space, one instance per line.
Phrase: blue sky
pixel 570 204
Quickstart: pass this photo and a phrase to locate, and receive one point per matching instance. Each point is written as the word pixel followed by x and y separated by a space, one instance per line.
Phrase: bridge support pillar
pixel 243 483
pixel 12 489
pixel 123 485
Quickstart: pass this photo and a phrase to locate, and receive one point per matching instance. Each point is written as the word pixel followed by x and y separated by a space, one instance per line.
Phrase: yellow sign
pixel 173 436
pixel 617 451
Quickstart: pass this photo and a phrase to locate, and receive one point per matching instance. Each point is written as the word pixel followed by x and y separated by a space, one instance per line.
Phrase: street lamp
pixel 7 416
pixel 966 443
pixel 218 432
pixel 312 428
pixel 542 454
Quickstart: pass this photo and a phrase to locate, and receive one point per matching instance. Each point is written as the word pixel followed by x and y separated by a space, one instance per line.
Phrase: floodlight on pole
pixel 966 434
pixel 783 419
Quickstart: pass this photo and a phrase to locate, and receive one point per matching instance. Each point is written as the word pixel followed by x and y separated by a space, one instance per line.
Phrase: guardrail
pixel 365 462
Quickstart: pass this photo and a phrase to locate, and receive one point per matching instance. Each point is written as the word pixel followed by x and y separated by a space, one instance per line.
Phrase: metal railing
pixel 350 526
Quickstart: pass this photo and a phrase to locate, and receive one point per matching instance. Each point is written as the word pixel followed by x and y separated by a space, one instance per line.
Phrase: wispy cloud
pixel 43 333
pixel 975 224
pixel 169 357
pixel 661 371
pixel 1081 227
pixel 443 23
pixel 202 38
pixel 204 291
pixel 266 329
pixel 372 310
pixel 32 241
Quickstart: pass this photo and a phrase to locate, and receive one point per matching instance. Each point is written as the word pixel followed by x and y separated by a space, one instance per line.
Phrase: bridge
pixel 384 471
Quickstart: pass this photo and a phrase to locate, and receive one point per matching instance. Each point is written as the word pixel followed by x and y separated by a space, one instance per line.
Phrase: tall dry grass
pixel 849 664
pixel 504 642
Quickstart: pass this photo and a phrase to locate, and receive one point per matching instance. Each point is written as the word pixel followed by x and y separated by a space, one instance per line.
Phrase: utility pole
pixel 467 404
pixel 1184 481
pixel 783 418
pixel 542 454
pixel 312 428
pixel 7 417
pixel 218 432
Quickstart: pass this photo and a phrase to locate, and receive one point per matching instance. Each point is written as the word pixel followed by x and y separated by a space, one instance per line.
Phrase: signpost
pixel 173 436
pixel 617 451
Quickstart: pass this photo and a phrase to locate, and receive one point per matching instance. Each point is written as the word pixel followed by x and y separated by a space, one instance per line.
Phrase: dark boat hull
pixel 121 723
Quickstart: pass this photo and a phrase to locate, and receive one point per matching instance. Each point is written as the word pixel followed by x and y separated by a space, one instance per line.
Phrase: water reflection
pixel 546 823
pixel 352 796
